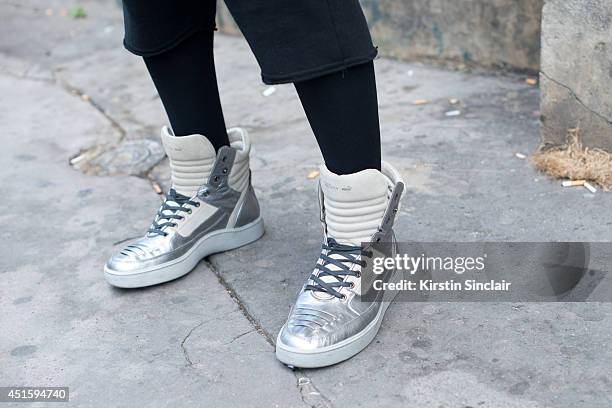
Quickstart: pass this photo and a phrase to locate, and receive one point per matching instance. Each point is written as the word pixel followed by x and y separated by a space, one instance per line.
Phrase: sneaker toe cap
pixel 131 258
pixel 302 337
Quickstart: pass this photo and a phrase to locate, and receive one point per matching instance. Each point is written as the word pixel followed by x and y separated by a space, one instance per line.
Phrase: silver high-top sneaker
pixel 210 208
pixel 330 322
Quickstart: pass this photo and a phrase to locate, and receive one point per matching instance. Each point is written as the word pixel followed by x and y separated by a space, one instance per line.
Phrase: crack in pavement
pixel 115 124
pixel 84 96
pixel 184 349
pixel 239 336
pixel 577 98
pixel 309 393
pixel 193 329
pixel 232 293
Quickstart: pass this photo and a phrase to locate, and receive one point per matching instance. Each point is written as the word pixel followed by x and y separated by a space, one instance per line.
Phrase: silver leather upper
pixel 319 320
pixel 155 249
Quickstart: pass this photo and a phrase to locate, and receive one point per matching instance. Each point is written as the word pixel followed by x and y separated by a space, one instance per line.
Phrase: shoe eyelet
pixel 343 297
pixel 189 212
pixel 225 171
pixel 224 158
pixel 358 275
pixel 352 285
pixel 197 204
pixel 216 178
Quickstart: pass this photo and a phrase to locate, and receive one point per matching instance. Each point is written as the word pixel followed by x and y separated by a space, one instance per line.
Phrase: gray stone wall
pixel 489 33
pixel 576 74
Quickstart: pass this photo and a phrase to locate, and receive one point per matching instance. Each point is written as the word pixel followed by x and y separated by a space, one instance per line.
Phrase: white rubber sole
pixel 216 241
pixel 326 356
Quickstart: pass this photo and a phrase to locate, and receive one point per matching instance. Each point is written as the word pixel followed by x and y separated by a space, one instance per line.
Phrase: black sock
pixel 186 81
pixel 342 109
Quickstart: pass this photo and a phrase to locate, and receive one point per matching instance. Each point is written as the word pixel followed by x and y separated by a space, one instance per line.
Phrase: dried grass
pixel 575 162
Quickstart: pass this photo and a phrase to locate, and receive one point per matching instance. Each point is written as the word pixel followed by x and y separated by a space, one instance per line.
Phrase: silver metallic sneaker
pixel 330 322
pixel 210 208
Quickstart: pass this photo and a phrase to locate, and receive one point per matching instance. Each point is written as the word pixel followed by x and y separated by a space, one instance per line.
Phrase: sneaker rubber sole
pixel 216 241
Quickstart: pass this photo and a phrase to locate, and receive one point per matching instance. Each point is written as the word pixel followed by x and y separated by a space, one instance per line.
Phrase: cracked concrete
pixel 576 72
pixel 207 339
pixel 185 352
pixel 577 98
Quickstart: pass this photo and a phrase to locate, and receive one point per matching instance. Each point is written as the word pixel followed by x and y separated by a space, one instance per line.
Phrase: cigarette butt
pixel 520 155
pixel 85 97
pixel 313 174
pixel 420 102
pixel 453 101
pixel 77 159
pixel 531 81
pixel 156 187
pixel 573 183
pixel 269 91
pixel 590 187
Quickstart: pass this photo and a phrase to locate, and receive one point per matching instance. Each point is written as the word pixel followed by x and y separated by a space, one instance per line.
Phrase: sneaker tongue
pixel 354 204
pixel 191 160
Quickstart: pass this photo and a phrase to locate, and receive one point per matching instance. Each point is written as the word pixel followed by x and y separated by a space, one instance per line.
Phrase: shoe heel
pixel 247 233
pixel 234 238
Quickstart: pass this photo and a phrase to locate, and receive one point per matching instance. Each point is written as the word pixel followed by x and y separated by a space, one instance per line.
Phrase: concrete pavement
pixel 70 90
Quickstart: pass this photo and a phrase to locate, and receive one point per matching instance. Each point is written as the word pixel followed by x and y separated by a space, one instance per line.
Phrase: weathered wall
pixel 576 75
pixel 489 33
